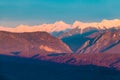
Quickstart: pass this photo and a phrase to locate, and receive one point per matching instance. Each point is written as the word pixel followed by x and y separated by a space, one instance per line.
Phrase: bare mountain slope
pixel 30 44
pixel 103 42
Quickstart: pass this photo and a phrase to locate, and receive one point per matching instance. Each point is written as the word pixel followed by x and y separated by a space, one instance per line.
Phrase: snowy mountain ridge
pixel 62 26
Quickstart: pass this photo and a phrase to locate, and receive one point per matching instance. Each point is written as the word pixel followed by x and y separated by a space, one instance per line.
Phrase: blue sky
pixel 14 12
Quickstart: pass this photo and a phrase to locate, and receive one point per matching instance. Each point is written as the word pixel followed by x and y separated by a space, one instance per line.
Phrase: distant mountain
pixel 74 39
pixel 107 41
pixel 30 44
pixel 104 24
pixel 61 27
pixel 50 28
pixel 77 31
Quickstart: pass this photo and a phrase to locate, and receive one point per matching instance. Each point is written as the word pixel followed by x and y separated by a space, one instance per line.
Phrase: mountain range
pixel 61 26
pixel 62 49
pixel 43 46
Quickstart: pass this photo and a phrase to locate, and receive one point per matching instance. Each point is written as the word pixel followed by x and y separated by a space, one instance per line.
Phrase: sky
pixel 34 12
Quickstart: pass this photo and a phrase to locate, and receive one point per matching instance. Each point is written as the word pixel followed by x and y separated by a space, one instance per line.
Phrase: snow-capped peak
pixel 104 23
pixel 59 22
pixel 62 26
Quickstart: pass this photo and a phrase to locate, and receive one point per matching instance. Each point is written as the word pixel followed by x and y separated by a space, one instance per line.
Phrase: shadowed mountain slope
pixel 107 41
pixel 15 68
pixel 76 40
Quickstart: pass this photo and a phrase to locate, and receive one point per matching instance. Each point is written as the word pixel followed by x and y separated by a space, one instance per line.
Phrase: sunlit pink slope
pixel 62 26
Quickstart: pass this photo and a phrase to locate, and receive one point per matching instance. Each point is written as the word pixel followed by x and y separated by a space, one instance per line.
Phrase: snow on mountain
pixel 104 24
pixel 56 27
pixel 62 26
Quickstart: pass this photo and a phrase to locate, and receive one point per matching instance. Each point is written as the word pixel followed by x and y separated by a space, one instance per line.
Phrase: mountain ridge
pixel 43 46
pixel 102 42
pixel 62 26
pixel 30 44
